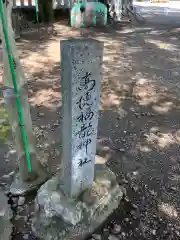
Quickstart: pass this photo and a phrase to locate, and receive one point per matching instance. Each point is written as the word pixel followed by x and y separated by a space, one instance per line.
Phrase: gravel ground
pixel 139 132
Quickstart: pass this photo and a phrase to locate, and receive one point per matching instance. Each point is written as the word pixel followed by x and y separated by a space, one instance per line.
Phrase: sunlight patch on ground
pixel 162 140
pixel 156 32
pixel 143 148
pixel 54 50
pixel 163 107
pixel 142 81
pixel 103 148
pixel 162 45
pixel 133 50
pixel 109 100
pixel 169 210
pixel 176 135
pixel 158 140
pixel 145 94
pixel 37 62
pixel 45 97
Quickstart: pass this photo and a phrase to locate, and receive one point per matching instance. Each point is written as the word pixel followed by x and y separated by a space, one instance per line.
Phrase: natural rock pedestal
pixel 76 201
pixel 5 217
pixel 61 218
pixel 24 180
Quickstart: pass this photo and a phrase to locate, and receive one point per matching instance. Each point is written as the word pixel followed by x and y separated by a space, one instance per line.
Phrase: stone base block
pixel 61 218
pixel 20 187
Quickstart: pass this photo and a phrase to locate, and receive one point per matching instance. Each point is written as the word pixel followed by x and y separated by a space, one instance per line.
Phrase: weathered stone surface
pixel 21 201
pixel 56 203
pixel 80 77
pixel 5 216
pixel 58 217
pixel 21 187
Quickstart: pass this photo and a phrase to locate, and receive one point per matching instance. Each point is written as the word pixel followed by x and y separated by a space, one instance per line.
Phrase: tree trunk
pixel 126 4
pixel 46 11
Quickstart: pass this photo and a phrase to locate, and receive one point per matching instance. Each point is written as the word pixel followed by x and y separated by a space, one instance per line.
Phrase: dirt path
pixel 139 130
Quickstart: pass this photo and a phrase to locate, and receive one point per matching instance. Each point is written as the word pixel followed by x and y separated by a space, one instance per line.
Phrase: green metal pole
pixel 16 92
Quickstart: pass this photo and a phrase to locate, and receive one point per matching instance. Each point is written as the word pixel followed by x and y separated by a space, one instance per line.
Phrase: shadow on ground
pixel 139 132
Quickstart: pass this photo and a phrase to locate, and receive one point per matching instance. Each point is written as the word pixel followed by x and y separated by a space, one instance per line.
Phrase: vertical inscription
pixel 84 104
pixel 81 75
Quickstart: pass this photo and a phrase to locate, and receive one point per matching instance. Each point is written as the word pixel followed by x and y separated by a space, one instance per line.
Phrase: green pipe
pixel 16 92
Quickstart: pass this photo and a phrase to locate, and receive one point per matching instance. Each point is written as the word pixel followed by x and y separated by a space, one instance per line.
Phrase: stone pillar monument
pixel 24 180
pixel 80 112
pixel 78 199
